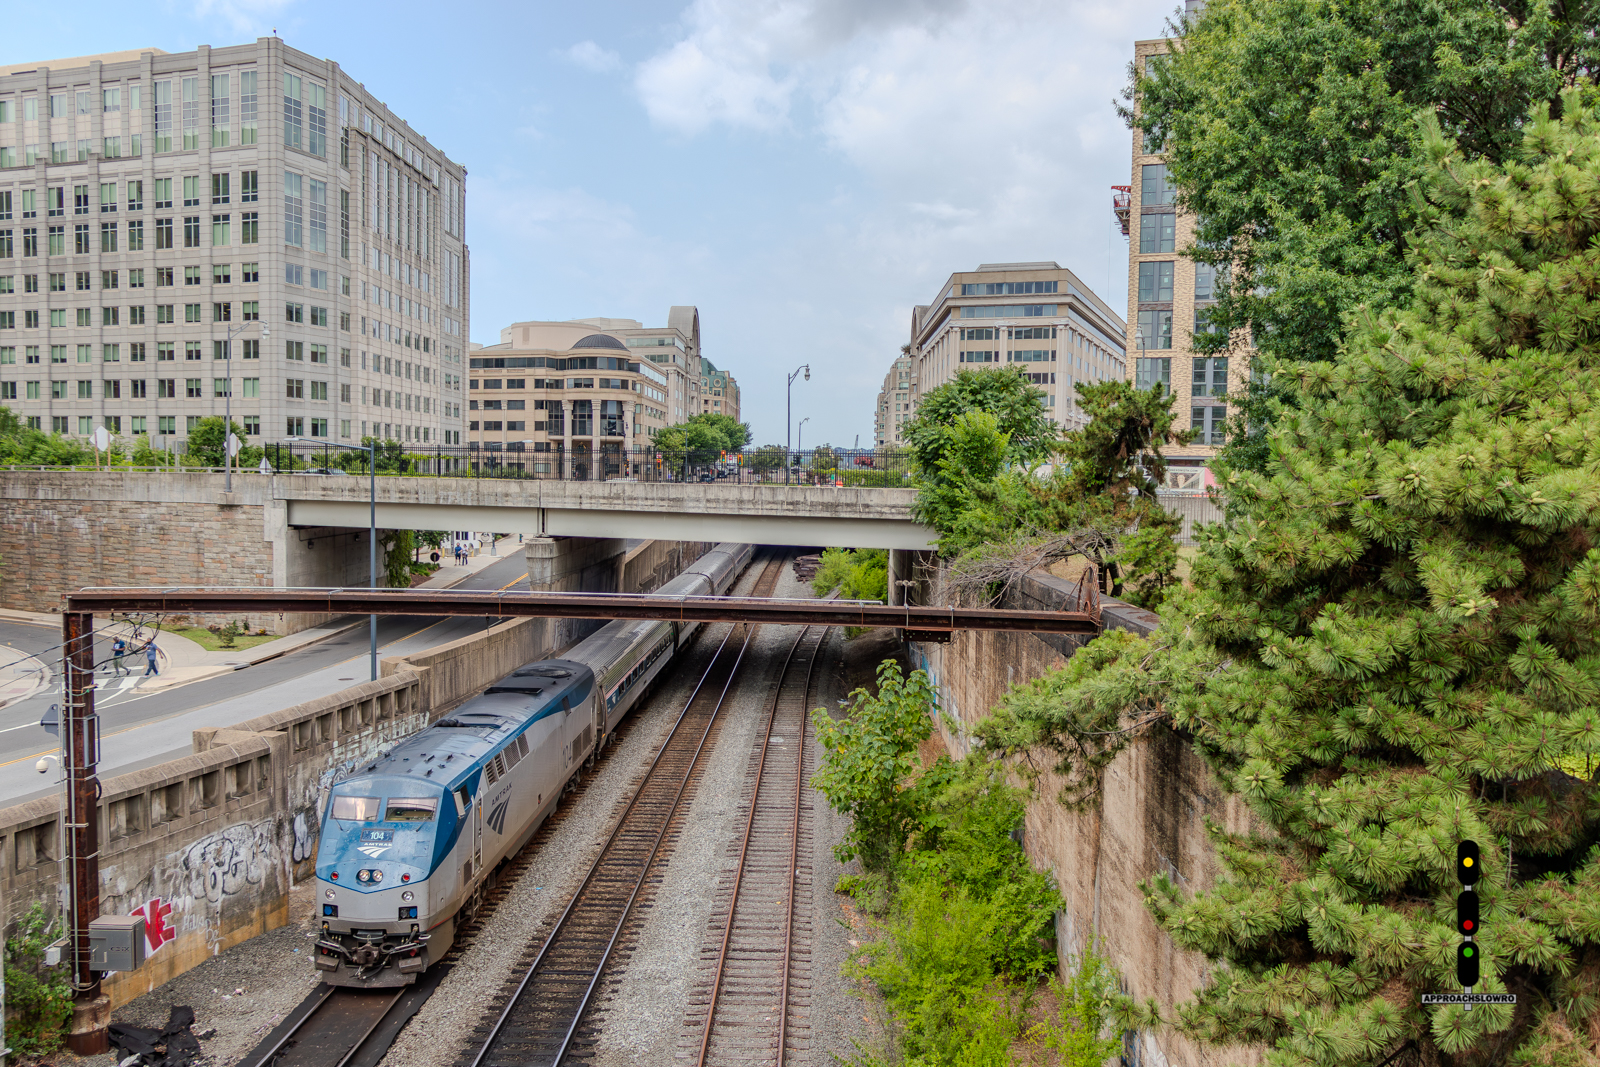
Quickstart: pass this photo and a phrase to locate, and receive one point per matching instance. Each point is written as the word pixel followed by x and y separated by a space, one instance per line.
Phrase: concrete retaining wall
pixel 209 845
pixel 1157 796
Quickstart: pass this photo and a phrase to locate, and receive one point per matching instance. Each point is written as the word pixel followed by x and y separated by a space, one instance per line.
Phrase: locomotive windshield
pixel 357 809
pixel 411 809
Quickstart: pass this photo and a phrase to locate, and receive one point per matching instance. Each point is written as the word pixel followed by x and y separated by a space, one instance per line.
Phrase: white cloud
pixel 593 58
pixel 244 16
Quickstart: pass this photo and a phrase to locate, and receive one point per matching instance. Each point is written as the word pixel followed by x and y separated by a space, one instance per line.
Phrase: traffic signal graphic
pixel 1467 913
pixel 1467 964
pixel 1468 865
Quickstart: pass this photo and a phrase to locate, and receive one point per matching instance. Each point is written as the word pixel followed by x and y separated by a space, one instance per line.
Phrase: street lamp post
pixel 227 400
pixel 372 536
pixel 788 415
pixel 800 438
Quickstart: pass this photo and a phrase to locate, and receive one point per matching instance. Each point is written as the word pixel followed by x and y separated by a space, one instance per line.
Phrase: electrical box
pixel 116 942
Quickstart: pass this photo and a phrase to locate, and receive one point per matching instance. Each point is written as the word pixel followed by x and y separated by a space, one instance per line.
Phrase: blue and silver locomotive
pixel 409 840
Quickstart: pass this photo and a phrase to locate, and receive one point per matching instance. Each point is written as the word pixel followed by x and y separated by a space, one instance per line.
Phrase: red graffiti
pixel 156 930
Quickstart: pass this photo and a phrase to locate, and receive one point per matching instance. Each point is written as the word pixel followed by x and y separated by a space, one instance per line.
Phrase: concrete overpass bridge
pixel 69 529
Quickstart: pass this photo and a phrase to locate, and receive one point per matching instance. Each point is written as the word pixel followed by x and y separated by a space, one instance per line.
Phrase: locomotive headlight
pixel 362 875
pixel 329 894
pixel 408 895
pixel 377 876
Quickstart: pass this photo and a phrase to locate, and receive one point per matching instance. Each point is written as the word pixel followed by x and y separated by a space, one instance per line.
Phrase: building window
pixel 293 124
pixel 219 112
pixel 294 312
pixel 1154 188
pixel 191 313
pixel 136 235
pixel 293 210
pixel 1155 282
pixel 221 231
pixel 317 215
pixel 191 231
pixel 222 312
pixel 1155 329
pixel 247 107
pixel 249 227
pixel 317 114
pixel 193 388
pixel 1158 232
pixel 191 114
pixel 1149 373
pixel 1210 376
pixel 250 388
pixel 163 233
pixel 1210 424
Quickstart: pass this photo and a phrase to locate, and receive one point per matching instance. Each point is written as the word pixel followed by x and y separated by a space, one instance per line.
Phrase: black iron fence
pixel 841 468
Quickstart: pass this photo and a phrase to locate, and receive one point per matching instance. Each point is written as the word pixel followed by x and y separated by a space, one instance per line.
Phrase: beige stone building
pixel 719 391
pixel 151 203
pixel 581 398
pixel 897 400
pixel 1037 316
pixel 1167 300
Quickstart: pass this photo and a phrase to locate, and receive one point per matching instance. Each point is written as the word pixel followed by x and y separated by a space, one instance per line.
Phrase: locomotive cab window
pixel 463 800
pixel 411 809
pixel 356 809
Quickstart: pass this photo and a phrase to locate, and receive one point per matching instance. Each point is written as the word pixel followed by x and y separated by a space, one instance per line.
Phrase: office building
pixel 897 400
pixel 583 397
pixel 719 391
pixel 1037 316
pixel 1168 295
pixel 153 204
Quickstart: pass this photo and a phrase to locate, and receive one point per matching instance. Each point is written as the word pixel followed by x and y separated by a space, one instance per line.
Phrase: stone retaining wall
pixel 1151 819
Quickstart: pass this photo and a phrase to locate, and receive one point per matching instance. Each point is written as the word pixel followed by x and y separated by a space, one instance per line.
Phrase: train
pixel 409 841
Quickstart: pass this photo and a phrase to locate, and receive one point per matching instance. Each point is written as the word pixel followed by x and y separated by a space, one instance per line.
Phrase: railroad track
pixel 751 1005
pixel 542 1020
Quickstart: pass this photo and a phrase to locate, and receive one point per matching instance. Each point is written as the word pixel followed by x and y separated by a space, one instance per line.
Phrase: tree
pixel 1393 647
pixel 1100 492
pixel 1288 129
pixel 705 437
pixel 767 458
pixel 206 441
pixel 824 459
pixel 871 754
pixel 1005 392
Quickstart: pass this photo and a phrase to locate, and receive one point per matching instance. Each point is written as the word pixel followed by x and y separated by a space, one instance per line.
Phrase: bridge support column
pixel 574 565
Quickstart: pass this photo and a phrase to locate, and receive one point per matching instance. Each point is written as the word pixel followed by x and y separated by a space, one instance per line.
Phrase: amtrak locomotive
pixel 408 841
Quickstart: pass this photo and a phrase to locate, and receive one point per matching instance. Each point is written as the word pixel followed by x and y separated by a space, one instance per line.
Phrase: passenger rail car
pixel 408 841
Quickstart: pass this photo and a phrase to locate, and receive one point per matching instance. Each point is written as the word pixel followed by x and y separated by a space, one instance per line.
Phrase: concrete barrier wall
pixel 1151 817
pixel 208 846
pixel 450 673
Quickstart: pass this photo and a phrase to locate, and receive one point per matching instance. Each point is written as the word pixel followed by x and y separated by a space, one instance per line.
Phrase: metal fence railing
pixel 842 468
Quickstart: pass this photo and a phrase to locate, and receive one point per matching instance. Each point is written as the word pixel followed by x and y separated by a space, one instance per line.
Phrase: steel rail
pixel 524 604
pixel 329 995
pixel 644 868
pixel 744 849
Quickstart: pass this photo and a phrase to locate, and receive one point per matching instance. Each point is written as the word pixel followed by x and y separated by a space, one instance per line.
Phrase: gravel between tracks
pixel 643 1015
pixel 436 1036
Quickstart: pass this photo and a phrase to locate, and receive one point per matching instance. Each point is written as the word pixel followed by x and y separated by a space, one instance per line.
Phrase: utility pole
pixel 788 418
pixel 80 743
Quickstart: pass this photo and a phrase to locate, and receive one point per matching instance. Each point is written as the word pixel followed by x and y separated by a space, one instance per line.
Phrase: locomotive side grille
pixel 491 772
pixel 499 765
pixel 513 754
pixel 522 745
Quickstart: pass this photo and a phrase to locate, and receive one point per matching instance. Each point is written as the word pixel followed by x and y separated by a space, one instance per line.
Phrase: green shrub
pixel 38 999
pixel 858 573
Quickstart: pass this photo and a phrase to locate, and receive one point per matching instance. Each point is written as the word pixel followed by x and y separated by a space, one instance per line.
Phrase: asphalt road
pixel 138 729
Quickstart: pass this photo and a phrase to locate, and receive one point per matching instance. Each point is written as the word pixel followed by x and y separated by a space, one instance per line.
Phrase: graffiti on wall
pixel 157 932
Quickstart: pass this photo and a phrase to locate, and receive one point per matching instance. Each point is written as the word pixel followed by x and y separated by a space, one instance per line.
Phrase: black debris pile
pixel 805 567
pixel 174 1045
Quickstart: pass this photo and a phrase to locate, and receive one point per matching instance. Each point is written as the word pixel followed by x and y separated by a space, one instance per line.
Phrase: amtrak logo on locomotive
pixel 375 843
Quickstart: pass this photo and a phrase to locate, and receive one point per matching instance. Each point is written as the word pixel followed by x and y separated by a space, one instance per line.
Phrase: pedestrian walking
pixel 119 648
pixel 150 659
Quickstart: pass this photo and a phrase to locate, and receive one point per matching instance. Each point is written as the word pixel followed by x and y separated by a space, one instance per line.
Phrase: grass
pixel 212 643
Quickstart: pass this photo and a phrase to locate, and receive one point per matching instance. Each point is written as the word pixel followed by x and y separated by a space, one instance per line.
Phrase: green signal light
pixel 1466 950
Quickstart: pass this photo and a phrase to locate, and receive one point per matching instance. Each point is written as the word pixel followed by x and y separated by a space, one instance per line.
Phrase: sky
pixel 803 171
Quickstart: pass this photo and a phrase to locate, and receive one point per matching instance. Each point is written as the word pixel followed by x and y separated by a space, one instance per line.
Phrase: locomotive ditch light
pixel 1468 862
pixel 408 896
